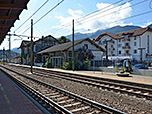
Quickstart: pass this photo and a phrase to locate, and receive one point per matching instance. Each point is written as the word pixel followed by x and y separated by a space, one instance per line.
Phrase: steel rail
pixel 90 102
pixel 129 89
pixel 58 107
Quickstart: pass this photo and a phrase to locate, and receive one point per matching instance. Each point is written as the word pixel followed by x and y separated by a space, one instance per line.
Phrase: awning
pixel 9 13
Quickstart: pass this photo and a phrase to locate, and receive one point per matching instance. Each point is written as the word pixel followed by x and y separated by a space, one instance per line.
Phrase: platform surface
pixel 131 78
pixel 13 101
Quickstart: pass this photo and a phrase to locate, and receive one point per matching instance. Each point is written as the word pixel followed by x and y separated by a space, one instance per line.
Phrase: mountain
pixel 16 50
pixel 13 54
pixel 150 25
pixel 115 29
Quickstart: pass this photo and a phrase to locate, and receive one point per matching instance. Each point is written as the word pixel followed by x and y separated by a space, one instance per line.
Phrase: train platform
pixel 131 78
pixel 13 101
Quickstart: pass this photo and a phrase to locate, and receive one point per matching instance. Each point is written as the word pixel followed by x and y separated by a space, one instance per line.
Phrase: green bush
pixel 86 63
pixel 68 65
pixel 48 63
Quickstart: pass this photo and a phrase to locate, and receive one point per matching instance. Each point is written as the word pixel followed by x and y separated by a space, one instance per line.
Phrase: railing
pixel 111 49
pixel 126 39
pixel 126 47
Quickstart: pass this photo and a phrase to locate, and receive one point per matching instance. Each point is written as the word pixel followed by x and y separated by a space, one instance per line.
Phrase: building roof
pixel 24 43
pixel 45 38
pixel 9 13
pixel 66 46
pixel 27 42
pixel 15 57
pixel 121 35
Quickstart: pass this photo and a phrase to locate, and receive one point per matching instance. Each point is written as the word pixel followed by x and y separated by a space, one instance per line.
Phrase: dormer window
pixel 134 38
pixel 85 46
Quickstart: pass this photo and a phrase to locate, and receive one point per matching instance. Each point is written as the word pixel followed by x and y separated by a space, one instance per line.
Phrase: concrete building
pixel 135 44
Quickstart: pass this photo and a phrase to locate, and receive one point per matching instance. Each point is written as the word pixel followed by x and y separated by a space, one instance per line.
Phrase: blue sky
pixel 107 15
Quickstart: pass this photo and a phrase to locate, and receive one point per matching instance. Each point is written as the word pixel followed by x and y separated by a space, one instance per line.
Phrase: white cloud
pixel 73 15
pixel 107 16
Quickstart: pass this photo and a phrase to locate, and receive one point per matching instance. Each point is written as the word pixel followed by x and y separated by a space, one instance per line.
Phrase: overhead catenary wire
pixel 84 18
pixel 109 14
pixel 115 11
pixel 140 14
pixel 31 15
pixel 150 4
pixel 44 15
pixel 68 24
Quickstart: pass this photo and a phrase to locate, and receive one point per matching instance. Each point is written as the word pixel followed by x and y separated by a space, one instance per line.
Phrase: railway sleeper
pixel 64 102
pixel 62 98
pixel 71 105
pixel 52 94
pixel 56 96
pixel 79 109
pixel 94 112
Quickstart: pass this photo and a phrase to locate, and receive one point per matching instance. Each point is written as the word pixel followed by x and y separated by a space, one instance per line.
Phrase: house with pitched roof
pixel 63 52
pixel 25 51
pixel 38 45
pixel 134 44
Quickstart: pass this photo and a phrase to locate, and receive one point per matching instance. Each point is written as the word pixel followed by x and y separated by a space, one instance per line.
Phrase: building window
pixel 119 40
pixel 119 45
pixel 134 43
pixel 127 44
pixel 119 52
pixel 85 46
pixel 100 42
pixel 127 52
pixel 134 38
pixel 135 51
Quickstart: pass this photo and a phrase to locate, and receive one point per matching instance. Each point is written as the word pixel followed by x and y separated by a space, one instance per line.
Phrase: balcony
pixel 126 54
pixel 126 47
pixel 126 40
pixel 108 42
pixel 111 41
pixel 102 43
pixel 111 49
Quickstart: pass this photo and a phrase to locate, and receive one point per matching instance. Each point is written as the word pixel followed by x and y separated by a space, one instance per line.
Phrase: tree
pixel 63 39
pixel 85 54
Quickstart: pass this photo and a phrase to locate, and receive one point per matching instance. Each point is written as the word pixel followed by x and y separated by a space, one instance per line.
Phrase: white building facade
pixel 135 44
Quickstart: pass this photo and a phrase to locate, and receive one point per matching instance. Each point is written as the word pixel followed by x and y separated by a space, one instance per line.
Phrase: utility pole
pixel 31 45
pixel 9 39
pixel 3 56
pixel 73 46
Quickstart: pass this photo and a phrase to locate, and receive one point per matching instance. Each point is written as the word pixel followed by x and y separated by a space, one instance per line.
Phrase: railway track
pixel 57 100
pixel 130 89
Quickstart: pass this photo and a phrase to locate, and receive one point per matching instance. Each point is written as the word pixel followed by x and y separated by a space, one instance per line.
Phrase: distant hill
pixel 115 29
pixel 13 54
pixel 150 25
pixel 16 50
